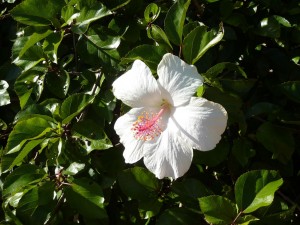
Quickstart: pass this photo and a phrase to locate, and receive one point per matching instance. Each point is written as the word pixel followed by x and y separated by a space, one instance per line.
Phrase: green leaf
pixel 31 12
pixel 262 108
pixel 213 157
pixel 73 105
pixel 58 83
pixel 88 15
pixel 158 35
pixel 33 56
pixel 199 41
pixel 74 168
pixel 283 21
pixel 151 13
pixel 218 69
pixel 189 190
pixel 239 87
pixel 256 189
pixel 269 27
pixel 178 216
pixel 51 44
pixel 91 54
pixel 22 178
pixel 190 27
pixel 218 210
pixel 29 87
pixel 36 205
pixel 29 129
pixel 200 91
pixel 37 36
pixel 3 125
pixel 242 150
pixel 278 140
pixel 103 38
pixel 87 198
pixel 174 21
pixel 4 95
pixel 292 90
pixel 149 54
pixel 139 183
pixel 99 144
pixel 28 147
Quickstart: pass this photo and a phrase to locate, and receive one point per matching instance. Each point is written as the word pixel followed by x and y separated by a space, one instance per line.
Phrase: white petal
pixel 169 156
pixel 134 148
pixel 137 87
pixel 179 79
pixel 201 122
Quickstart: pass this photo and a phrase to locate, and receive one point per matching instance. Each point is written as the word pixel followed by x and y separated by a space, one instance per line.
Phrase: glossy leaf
pixel 218 69
pixel 74 168
pixel 199 41
pixel 37 204
pixel 4 95
pixel 96 56
pixel 86 197
pixel 213 157
pixel 158 35
pixel 88 15
pixel 21 178
pixel 218 209
pixel 103 38
pixel 29 129
pixel 174 21
pixel 30 12
pixel 138 183
pixel 51 44
pixel 149 54
pixel 178 216
pixel 256 189
pixel 151 12
pixel 37 36
pixel 29 87
pixel 189 190
pixel 278 140
pixel 28 147
pixel 73 105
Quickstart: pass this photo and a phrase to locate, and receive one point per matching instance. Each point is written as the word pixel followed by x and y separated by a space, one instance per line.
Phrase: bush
pixel 61 160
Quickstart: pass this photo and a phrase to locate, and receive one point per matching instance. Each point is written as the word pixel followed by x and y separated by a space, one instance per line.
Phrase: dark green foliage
pixel 61 160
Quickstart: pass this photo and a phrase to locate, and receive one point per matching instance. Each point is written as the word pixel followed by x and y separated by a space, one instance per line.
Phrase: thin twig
pixel 4 16
pixel 286 198
pixel 236 218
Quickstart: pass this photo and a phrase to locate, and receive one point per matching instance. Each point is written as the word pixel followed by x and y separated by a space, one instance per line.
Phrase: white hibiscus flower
pixel 166 122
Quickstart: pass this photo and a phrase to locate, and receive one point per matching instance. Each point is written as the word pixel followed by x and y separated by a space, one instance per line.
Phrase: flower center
pixel 148 126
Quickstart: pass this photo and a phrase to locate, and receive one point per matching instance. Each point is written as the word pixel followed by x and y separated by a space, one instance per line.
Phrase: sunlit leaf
pixel 88 15
pixel 73 105
pixel 24 176
pixel 4 95
pixel 87 198
pixel 199 41
pixel 149 54
pixel 218 209
pixel 151 12
pixel 256 189
pixel 174 21
pixel 158 35
pixel 31 12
